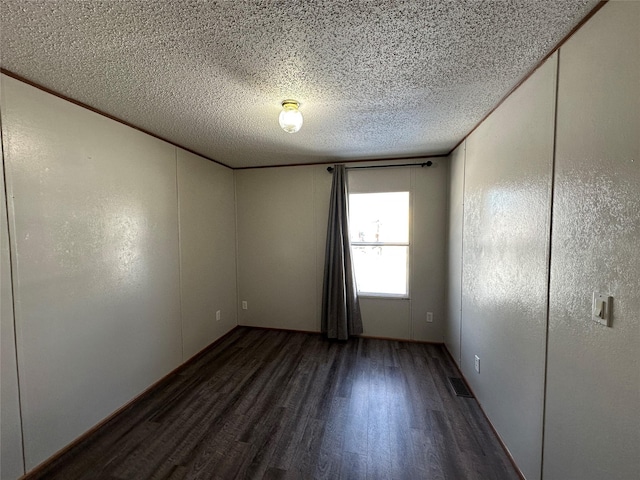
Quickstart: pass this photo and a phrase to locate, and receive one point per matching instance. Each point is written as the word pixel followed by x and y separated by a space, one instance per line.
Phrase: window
pixel 379 230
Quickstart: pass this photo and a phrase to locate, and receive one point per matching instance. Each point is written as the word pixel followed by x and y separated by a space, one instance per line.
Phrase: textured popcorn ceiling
pixel 375 79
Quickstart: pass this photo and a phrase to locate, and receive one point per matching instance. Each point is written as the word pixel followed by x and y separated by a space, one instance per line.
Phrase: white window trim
pixel 393 296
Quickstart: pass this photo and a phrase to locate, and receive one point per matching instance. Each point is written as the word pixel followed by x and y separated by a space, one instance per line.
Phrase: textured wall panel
pixel 428 252
pixel 11 465
pixel 387 318
pixel 277 248
pixel 592 428
pixel 322 192
pixel 454 278
pixel 505 263
pixel 207 251
pixel 96 241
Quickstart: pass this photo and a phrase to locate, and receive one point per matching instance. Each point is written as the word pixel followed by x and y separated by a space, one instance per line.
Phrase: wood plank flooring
pixel 264 404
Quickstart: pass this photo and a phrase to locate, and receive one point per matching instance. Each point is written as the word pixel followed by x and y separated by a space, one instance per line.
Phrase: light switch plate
pixel 601 309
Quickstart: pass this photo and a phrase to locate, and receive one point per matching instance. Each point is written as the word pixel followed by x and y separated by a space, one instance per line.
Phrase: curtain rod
pixel 425 164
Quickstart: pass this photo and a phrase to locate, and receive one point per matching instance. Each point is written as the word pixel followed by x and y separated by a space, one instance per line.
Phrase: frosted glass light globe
pixel 290 117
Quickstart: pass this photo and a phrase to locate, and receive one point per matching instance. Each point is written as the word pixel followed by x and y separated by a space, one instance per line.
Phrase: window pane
pixel 381 270
pixel 379 217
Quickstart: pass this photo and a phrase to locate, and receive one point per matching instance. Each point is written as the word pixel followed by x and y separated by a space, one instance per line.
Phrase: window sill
pixel 372 296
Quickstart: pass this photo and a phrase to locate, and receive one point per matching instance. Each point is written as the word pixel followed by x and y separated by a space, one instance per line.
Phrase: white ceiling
pixel 375 79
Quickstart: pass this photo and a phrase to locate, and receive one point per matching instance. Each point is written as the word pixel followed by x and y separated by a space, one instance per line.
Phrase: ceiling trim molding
pixel 22 79
pixel 533 70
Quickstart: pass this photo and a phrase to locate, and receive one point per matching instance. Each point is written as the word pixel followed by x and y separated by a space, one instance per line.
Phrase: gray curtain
pixel 340 305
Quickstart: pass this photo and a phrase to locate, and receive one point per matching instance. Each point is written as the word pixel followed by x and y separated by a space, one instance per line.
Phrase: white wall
pixel 592 422
pixel 507 195
pixel 428 252
pixel 278 232
pixel 11 465
pixel 592 373
pixel 207 251
pixel 282 219
pixel 94 219
pixel 454 266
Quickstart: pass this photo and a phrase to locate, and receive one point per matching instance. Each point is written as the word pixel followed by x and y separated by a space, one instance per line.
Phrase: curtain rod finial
pixel 330 169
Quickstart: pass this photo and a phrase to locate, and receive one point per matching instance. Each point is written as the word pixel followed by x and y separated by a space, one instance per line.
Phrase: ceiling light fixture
pixel 290 116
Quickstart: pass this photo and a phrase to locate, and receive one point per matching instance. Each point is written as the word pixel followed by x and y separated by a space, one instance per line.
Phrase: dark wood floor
pixel 267 404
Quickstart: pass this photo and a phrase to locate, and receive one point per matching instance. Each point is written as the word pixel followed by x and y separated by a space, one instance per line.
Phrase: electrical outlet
pixel 244 304
pixel 218 316
pixel 429 317
pixel 477 364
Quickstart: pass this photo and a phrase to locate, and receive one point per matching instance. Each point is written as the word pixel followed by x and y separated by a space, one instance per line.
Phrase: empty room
pixel 320 239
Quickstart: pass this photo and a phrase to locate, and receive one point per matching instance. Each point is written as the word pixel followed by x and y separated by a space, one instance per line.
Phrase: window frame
pixel 407 244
